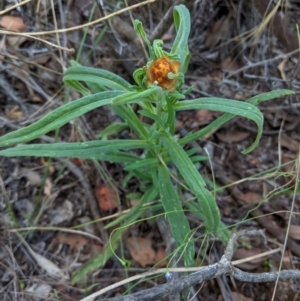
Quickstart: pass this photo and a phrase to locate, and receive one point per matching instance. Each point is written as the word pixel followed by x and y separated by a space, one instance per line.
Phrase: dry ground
pixel 237 52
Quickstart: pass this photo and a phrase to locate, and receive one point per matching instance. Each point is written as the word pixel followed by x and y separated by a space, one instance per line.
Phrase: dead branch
pixel 223 267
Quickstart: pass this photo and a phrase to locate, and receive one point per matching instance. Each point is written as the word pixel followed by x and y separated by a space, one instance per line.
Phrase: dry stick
pixel 223 267
pixel 14 6
pixel 169 241
pixel 40 33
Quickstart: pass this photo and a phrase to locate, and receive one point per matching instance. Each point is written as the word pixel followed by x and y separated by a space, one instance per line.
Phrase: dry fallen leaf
pixel 289 143
pixel 141 250
pixel 33 177
pixel 107 198
pixel 50 267
pixel 250 197
pixel 229 65
pixel 73 240
pixel 14 113
pixel 233 136
pixel 160 258
pixel 239 297
pixel 39 290
pixel 294 232
pixel 203 117
pixel 243 253
pixel 62 213
pixel 12 23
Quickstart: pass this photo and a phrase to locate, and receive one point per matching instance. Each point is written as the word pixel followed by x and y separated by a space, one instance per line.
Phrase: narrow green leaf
pixel 59 117
pixel 76 85
pixel 227 116
pixel 152 116
pixel 138 27
pixel 194 180
pixel 256 100
pixel 90 149
pixel 95 75
pixel 182 22
pixel 178 223
pixel 129 116
pixel 135 97
pixel 145 163
pixel 235 107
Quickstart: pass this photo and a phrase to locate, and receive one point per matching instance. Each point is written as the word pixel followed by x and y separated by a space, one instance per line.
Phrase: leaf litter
pixel 33 72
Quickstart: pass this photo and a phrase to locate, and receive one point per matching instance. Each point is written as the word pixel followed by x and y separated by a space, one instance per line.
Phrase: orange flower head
pixel 158 72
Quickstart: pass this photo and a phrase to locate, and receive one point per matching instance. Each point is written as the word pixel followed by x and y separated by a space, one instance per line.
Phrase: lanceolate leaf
pixel 178 223
pixel 59 117
pixel 194 181
pixel 182 23
pixel 227 116
pixel 95 75
pixel 87 150
pixel 235 107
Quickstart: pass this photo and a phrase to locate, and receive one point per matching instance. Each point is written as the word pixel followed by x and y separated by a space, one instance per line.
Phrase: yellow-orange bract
pixel 158 71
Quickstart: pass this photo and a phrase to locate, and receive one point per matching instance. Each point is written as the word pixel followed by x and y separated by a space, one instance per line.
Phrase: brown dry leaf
pixel 167 37
pixel 228 65
pixel 239 297
pixel 232 137
pixel 141 250
pixel 15 41
pixel 250 197
pixel 243 253
pixel 14 113
pixel 294 232
pixel 289 143
pixel 73 240
pixel 33 177
pixel 203 117
pixel 12 23
pixel 160 258
pixel 35 98
pixel 107 198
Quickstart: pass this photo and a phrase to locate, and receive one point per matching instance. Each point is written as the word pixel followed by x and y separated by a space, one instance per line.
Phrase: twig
pixel 223 267
pixel 41 33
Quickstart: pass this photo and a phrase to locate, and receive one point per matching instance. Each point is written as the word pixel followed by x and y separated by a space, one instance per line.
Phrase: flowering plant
pixel 159 95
